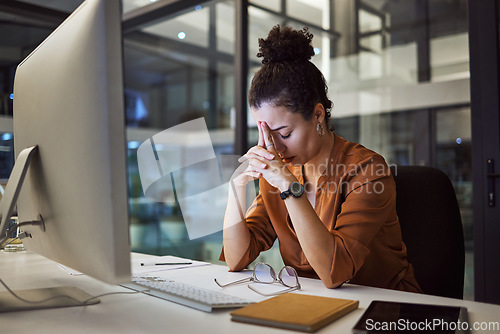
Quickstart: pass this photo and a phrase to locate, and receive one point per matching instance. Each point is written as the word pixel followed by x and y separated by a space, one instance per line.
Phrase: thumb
pixel 268 138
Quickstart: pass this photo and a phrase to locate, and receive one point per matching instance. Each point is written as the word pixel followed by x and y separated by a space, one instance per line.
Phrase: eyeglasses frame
pixel 276 279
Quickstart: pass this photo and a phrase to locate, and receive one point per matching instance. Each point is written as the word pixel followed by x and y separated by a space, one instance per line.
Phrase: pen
pixel 165 263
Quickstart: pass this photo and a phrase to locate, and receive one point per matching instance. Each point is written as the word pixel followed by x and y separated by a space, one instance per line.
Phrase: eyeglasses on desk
pixel 264 273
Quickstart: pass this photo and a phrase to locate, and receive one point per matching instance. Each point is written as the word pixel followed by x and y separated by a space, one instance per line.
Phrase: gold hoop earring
pixel 320 129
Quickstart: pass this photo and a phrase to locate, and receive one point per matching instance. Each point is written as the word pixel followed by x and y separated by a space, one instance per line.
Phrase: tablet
pixel 395 317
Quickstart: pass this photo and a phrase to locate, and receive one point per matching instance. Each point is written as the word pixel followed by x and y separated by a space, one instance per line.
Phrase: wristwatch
pixel 296 190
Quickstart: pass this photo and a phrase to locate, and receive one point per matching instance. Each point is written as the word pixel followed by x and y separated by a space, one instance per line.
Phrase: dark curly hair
pixel 287 78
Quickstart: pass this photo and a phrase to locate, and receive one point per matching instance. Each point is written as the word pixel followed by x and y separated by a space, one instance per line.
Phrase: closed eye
pixel 285 137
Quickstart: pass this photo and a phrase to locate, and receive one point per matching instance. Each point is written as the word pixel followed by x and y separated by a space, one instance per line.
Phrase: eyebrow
pixel 279 128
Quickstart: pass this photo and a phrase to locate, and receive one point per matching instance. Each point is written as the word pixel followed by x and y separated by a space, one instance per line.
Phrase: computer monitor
pixel 69 106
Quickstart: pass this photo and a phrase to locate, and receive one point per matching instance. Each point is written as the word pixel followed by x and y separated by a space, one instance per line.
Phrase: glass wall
pixel 404 91
pixel 176 70
pixel 6 155
pixel 398 73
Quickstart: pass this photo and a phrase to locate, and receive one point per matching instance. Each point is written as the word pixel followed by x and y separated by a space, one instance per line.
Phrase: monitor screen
pixel 69 103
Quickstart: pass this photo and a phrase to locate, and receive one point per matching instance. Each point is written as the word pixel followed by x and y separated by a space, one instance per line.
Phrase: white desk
pixel 139 313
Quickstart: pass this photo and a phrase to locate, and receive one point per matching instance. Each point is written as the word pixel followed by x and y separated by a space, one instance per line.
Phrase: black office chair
pixel 431 228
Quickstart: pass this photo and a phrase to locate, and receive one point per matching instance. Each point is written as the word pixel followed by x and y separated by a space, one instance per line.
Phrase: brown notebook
pixel 295 311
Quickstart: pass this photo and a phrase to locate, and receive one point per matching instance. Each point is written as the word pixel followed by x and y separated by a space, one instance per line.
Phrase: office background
pixel 398 73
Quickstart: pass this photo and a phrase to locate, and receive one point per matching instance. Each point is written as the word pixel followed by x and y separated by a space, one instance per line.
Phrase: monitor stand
pixel 12 189
pixel 23 300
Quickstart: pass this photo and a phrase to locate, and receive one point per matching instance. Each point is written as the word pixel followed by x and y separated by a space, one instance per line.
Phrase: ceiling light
pixel 7 136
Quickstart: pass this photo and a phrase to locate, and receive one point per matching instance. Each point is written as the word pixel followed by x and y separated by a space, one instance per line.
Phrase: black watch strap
pixel 285 194
pixel 296 190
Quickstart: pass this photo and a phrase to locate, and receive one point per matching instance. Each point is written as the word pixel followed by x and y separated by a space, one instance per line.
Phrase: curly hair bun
pixel 286 44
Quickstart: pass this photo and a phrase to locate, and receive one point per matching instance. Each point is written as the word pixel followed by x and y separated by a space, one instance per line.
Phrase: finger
pixel 256 152
pixel 255 175
pixel 258 163
pixel 251 171
pixel 243 172
pixel 268 138
pixel 261 135
pixel 261 151
pixel 242 169
pixel 253 164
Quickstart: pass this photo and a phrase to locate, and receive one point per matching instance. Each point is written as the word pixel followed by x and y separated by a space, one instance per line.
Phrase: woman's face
pixel 295 139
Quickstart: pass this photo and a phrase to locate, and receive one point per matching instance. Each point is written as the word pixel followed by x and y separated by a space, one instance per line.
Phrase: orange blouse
pixel 356 201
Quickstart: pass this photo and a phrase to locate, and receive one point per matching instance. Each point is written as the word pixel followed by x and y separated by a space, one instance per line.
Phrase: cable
pixel 115 293
pixel 84 303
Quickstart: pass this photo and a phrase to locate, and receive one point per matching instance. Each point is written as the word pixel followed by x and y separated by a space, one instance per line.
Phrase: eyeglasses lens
pixel 288 276
pixel 264 273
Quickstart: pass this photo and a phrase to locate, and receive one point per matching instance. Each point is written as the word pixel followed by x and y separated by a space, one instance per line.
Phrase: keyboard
pixel 185 294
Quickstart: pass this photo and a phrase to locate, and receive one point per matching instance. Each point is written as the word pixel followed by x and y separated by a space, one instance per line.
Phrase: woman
pixel 331 203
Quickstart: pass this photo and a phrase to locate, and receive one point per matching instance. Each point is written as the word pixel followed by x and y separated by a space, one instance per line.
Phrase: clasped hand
pixel 262 161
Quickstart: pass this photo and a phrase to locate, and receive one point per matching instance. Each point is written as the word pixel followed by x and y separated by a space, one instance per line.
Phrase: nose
pixel 279 147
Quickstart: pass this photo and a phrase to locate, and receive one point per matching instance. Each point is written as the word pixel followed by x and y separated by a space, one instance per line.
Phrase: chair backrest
pixel 431 228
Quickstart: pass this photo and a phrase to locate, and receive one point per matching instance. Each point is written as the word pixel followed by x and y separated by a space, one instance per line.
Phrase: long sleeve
pixel 262 234
pixel 367 201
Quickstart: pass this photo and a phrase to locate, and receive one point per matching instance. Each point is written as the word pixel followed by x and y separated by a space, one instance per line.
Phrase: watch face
pixel 296 189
